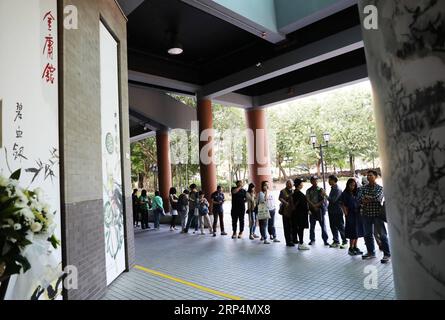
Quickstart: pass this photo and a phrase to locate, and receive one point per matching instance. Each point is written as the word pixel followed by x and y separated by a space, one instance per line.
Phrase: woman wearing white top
pixel 270 202
pixel 262 196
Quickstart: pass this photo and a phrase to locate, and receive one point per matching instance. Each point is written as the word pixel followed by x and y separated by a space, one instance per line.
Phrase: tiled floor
pixel 245 268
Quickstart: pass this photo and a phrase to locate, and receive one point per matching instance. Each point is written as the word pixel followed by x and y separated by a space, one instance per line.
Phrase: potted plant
pixel 23 218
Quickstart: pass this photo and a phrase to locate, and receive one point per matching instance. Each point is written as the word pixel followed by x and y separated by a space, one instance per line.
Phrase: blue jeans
pixel 192 220
pixel 263 227
pixel 271 225
pixel 252 222
pixel 313 221
pixel 375 225
pixel 157 216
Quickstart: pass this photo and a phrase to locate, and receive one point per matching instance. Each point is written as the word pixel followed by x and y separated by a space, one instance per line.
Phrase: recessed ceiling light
pixel 176 50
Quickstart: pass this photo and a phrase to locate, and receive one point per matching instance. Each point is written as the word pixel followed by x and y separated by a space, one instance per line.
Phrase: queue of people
pixel 353 213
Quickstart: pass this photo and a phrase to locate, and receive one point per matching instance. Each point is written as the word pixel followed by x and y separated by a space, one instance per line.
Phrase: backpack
pixel 183 201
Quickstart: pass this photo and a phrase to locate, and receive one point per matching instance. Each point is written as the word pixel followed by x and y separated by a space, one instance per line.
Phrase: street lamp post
pixel 326 138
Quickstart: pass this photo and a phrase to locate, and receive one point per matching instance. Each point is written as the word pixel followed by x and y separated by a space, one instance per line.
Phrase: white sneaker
pixel 303 247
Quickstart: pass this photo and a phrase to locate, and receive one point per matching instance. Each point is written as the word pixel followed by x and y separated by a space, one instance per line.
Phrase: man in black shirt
pixel 218 211
pixel 238 208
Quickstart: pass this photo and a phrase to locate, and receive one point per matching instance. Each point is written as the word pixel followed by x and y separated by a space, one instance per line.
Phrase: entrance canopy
pixel 244 53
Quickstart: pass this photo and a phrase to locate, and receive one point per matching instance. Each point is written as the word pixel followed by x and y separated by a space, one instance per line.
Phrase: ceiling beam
pixel 319 85
pixel 164 83
pixel 324 49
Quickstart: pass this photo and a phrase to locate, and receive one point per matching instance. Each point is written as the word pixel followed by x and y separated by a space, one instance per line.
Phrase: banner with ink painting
pixel 111 156
pixel 29 138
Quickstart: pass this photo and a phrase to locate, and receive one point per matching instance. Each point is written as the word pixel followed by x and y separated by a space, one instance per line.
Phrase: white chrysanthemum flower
pixel 36 227
pixel 39 193
pixel 27 213
pixel 17 226
pixel 10 222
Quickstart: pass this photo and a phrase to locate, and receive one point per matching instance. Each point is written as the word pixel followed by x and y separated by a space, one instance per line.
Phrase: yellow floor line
pixel 187 283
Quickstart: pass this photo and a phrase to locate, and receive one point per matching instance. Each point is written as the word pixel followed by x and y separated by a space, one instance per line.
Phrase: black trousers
pixel 221 221
pixel 135 216
pixel 293 233
pixel 238 215
pixel 144 216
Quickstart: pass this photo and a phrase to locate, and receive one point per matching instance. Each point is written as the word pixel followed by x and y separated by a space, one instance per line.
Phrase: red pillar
pixel 164 166
pixel 258 148
pixel 207 167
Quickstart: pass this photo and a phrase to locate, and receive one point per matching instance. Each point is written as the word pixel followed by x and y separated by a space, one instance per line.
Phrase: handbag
pixel 263 212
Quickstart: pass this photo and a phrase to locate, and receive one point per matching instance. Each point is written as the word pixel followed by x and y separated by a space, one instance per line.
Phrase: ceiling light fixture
pixel 175 46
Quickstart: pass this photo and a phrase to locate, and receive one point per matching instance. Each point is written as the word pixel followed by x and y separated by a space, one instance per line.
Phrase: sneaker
pixel 385 259
pixel 266 242
pixel 326 243
pixel 351 252
pixel 256 236
pixel 345 242
pixel 290 244
pixel 302 246
pixel 223 233
pixel 343 246
pixel 171 229
pixel 368 256
pixel 251 237
pixel 234 236
pixel 174 228
pixel 276 240
pixel 334 245
pixel 214 234
pixel 240 235
pixel 311 243
pixel 261 239
pixel 194 232
pixel 358 251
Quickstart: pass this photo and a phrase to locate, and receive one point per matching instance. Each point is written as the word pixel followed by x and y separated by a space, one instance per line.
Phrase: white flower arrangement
pixel 23 216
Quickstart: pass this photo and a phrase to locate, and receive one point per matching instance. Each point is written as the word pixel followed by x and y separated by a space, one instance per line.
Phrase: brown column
pixel 164 166
pixel 258 147
pixel 207 167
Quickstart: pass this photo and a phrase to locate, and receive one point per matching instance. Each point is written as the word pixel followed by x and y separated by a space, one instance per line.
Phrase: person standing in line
pixel 174 201
pixel 193 213
pixel 299 213
pixel 371 197
pixel 135 205
pixel 144 206
pixel 251 211
pixel 351 208
pixel 183 208
pixel 204 213
pixel 335 212
pixel 284 199
pixel 158 209
pixel 238 209
pixel 262 202
pixel 316 197
pixel 218 211
pixel 270 201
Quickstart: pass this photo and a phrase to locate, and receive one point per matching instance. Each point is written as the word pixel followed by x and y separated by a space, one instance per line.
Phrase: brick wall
pixel 82 213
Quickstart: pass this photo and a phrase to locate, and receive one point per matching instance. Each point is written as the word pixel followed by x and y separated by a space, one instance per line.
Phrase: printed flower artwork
pixel 24 220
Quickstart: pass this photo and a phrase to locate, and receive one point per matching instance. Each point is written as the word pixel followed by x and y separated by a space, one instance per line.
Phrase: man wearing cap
pixel 316 198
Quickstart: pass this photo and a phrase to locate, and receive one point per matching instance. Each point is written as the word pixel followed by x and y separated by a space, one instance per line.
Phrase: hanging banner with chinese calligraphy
pixel 111 156
pixel 30 128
